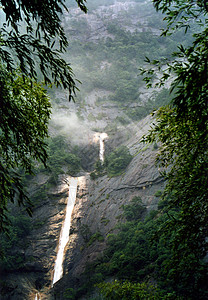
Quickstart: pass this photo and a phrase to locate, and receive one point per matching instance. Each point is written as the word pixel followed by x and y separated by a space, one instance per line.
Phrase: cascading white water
pixel 64 236
pixel 102 137
pixel 37 296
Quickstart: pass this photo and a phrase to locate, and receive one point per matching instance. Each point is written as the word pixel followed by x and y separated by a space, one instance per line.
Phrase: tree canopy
pixel 32 41
pixel 182 131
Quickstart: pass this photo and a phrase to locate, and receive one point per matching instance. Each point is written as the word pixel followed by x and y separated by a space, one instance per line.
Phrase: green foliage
pixel 181 14
pixel 137 113
pixel 184 145
pixel 129 254
pixel 105 221
pixel 136 253
pixel 59 156
pixel 142 251
pixel 32 41
pixel 12 258
pixel 158 194
pixel 114 164
pixel 123 120
pixel 91 118
pixel 162 98
pixel 93 175
pixel 159 99
pixel 155 146
pixel 85 232
pixel 74 163
pixel 42 35
pixel 182 131
pixel 134 210
pixel 117 161
pixel 95 237
pixel 99 170
pixel 117 290
pixel 39 196
pixel 24 114
pixel 87 235
pixel 112 65
pixel 69 294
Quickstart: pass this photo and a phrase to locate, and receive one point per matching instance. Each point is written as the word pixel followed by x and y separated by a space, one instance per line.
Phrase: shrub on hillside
pixel 117 161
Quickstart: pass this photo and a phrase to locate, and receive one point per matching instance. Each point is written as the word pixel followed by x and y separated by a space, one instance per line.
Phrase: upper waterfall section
pixel 64 236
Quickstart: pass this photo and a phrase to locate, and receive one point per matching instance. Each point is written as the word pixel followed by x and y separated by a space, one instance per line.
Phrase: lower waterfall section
pixel 37 296
pixel 64 235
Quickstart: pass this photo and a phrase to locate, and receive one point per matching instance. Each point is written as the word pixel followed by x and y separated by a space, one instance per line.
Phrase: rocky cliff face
pixel 40 252
pixel 97 210
pixel 93 26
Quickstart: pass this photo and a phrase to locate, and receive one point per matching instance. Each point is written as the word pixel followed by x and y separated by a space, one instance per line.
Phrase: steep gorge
pixel 98 205
pixel 97 209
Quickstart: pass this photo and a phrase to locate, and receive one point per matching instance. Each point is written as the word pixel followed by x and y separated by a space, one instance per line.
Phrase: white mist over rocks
pixel 78 132
pixel 75 130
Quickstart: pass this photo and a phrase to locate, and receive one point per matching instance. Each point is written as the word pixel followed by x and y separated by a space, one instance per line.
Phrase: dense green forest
pixel 138 260
pixel 115 163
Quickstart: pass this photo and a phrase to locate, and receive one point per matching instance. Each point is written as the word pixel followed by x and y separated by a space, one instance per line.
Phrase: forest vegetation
pixel 25 107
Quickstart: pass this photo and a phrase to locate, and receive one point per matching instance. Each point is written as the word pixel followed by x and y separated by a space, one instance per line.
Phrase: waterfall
pixel 37 296
pixel 103 136
pixel 64 236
